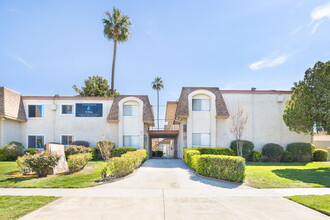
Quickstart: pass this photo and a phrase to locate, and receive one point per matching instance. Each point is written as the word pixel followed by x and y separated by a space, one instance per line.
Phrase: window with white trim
pixel 201 139
pixel 66 139
pixel 67 109
pixel 202 105
pixel 36 111
pixel 130 110
pixel 131 141
pixel 35 141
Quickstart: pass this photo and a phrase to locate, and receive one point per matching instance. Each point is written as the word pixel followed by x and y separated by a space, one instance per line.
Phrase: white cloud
pixel 296 30
pixel 315 27
pixel 320 12
pixel 269 62
pixel 21 60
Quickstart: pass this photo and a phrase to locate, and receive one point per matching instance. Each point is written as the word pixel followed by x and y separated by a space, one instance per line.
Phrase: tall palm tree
pixel 157 85
pixel 116 28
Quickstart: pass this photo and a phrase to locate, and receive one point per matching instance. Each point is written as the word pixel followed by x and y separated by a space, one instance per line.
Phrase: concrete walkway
pixel 168 189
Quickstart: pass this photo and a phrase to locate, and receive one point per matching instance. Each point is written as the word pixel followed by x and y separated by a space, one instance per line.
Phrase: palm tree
pixel 157 84
pixel 116 28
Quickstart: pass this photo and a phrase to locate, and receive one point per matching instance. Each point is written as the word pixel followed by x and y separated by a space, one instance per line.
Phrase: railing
pixel 164 125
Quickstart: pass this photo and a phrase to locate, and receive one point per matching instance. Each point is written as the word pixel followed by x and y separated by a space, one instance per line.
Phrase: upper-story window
pixel 67 110
pixel 36 111
pixel 201 104
pixel 131 109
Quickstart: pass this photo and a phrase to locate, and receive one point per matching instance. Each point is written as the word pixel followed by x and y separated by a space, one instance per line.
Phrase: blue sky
pixel 48 46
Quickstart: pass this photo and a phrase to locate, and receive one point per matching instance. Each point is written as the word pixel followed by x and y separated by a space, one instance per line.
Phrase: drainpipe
pixel 2 137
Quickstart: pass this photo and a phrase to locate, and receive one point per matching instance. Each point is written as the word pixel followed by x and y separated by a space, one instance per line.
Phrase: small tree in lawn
pixel 239 120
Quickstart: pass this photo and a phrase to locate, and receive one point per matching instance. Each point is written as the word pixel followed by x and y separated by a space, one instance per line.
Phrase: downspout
pixel 2 132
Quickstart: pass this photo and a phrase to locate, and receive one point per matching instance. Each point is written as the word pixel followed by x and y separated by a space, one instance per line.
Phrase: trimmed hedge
pixel 31 151
pixel 255 156
pixel 76 149
pixel 95 152
pixel 157 153
pixel 215 150
pixel 81 143
pixel 287 157
pixel 139 156
pixel 117 152
pixel 77 162
pixel 273 152
pixel 4 156
pixel 320 155
pixel 188 154
pixel 13 150
pixel 301 152
pixel 247 147
pixel 231 168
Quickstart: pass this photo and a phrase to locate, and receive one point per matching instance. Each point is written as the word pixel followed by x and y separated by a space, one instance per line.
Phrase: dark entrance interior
pixel 165 137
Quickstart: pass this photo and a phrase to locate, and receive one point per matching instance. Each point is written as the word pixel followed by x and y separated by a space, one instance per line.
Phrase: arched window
pixel 201 103
pixel 131 108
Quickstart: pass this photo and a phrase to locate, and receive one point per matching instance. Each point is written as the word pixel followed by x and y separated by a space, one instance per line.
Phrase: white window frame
pixel 138 139
pixel 201 145
pixel 136 106
pixel 27 140
pixel 43 111
pixel 73 109
pixel 73 138
pixel 192 105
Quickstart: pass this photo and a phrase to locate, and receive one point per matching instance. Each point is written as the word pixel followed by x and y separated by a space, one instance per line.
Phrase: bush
pixel 188 153
pixel 139 156
pixel 14 149
pixel 320 155
pixel 255 156
pixel 157 153
pixel 231 168
pixel 31 151
pixel 105 148
pixel 24 169
pixel 274 152
pixel 264 158
pixel 95 152
pixel 81 143
pixel 4 156
pixel 216 151
pixel 41 163
pixel 77 162
pixel 117 152
pixel 301 152
pixel 287 157
pixel 247 148
pixel 75 149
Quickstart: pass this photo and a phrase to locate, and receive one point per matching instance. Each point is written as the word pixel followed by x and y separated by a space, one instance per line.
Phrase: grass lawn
pixel 14 207
pixel 320 203
pixel 10 177
pixel 288 175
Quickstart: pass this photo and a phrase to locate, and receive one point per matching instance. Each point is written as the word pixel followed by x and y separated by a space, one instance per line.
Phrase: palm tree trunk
pixel 158 108
pixel 113 67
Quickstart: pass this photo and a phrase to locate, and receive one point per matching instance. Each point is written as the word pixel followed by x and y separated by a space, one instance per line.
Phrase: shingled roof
pixel 183 110
pixel 11 105
pixel 148 116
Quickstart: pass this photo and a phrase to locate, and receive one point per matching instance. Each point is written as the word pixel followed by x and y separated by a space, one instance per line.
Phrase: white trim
pixel 73 109
pixel 73 138
pixel 27 140
pixel 36 118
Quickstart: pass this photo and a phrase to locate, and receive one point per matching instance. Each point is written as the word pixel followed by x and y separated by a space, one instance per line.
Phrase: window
pixel 131 110
pixel 36 111
pixel 66 139
pixel 201 105
pixel 67 110
pixel 199 139
pixel 131 141
pixel 35 141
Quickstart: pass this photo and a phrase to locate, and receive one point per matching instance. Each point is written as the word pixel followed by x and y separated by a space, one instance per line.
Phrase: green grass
pixel 14 207
pixel 84 178
pixel 320 203
pixel 288 175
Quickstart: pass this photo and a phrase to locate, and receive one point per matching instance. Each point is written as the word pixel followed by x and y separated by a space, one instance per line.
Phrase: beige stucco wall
pixel 10 131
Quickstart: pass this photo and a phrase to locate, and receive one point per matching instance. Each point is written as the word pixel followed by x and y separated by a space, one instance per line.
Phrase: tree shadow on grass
pixel 15 177
pixel 319 176
pixel 268 164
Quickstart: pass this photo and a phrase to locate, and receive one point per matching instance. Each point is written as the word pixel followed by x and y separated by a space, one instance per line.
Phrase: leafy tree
pixel 94 86
pixel 309 106
pixel 157 85
pixel 116 28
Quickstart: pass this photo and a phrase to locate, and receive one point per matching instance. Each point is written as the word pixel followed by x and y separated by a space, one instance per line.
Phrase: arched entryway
pixel 165 135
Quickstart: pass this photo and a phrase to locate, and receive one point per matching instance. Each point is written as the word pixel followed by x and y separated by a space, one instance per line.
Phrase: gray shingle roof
pixel 183 110
pixel 11 105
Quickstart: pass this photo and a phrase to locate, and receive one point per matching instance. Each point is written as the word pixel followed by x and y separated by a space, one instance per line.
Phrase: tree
pixel 239 120
pixel 94 86
pixel 116 28
pixel 157 85
pixel 308 109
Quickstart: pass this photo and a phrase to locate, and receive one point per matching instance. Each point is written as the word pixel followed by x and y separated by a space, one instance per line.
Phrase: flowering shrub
pixel 23 166
pixel 78 161
pixel 41 163
pixel 76 149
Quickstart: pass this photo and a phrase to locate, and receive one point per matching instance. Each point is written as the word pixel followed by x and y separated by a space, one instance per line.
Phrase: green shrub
pixel 188 154
pixel 301 152
pixel 95 152
pixel 24 169
pixel 4 156
pixel 14 149
pixel 216 151
pixel 117 152
pixel 81 143
pixel 76 149
pixel 255 156
pixel 77 162
pixel 274 152
pixel 105 148
pixel 287 157
pixel 120 166
pixel 320 155
pixel 31 151
pixel 247 147
pixel 231 168
pixel 41 163
pixel 264 158
pixel 139 156
pixel 157 153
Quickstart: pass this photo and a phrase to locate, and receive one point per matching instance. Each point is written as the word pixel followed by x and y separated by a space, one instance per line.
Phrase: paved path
pixel 168 189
